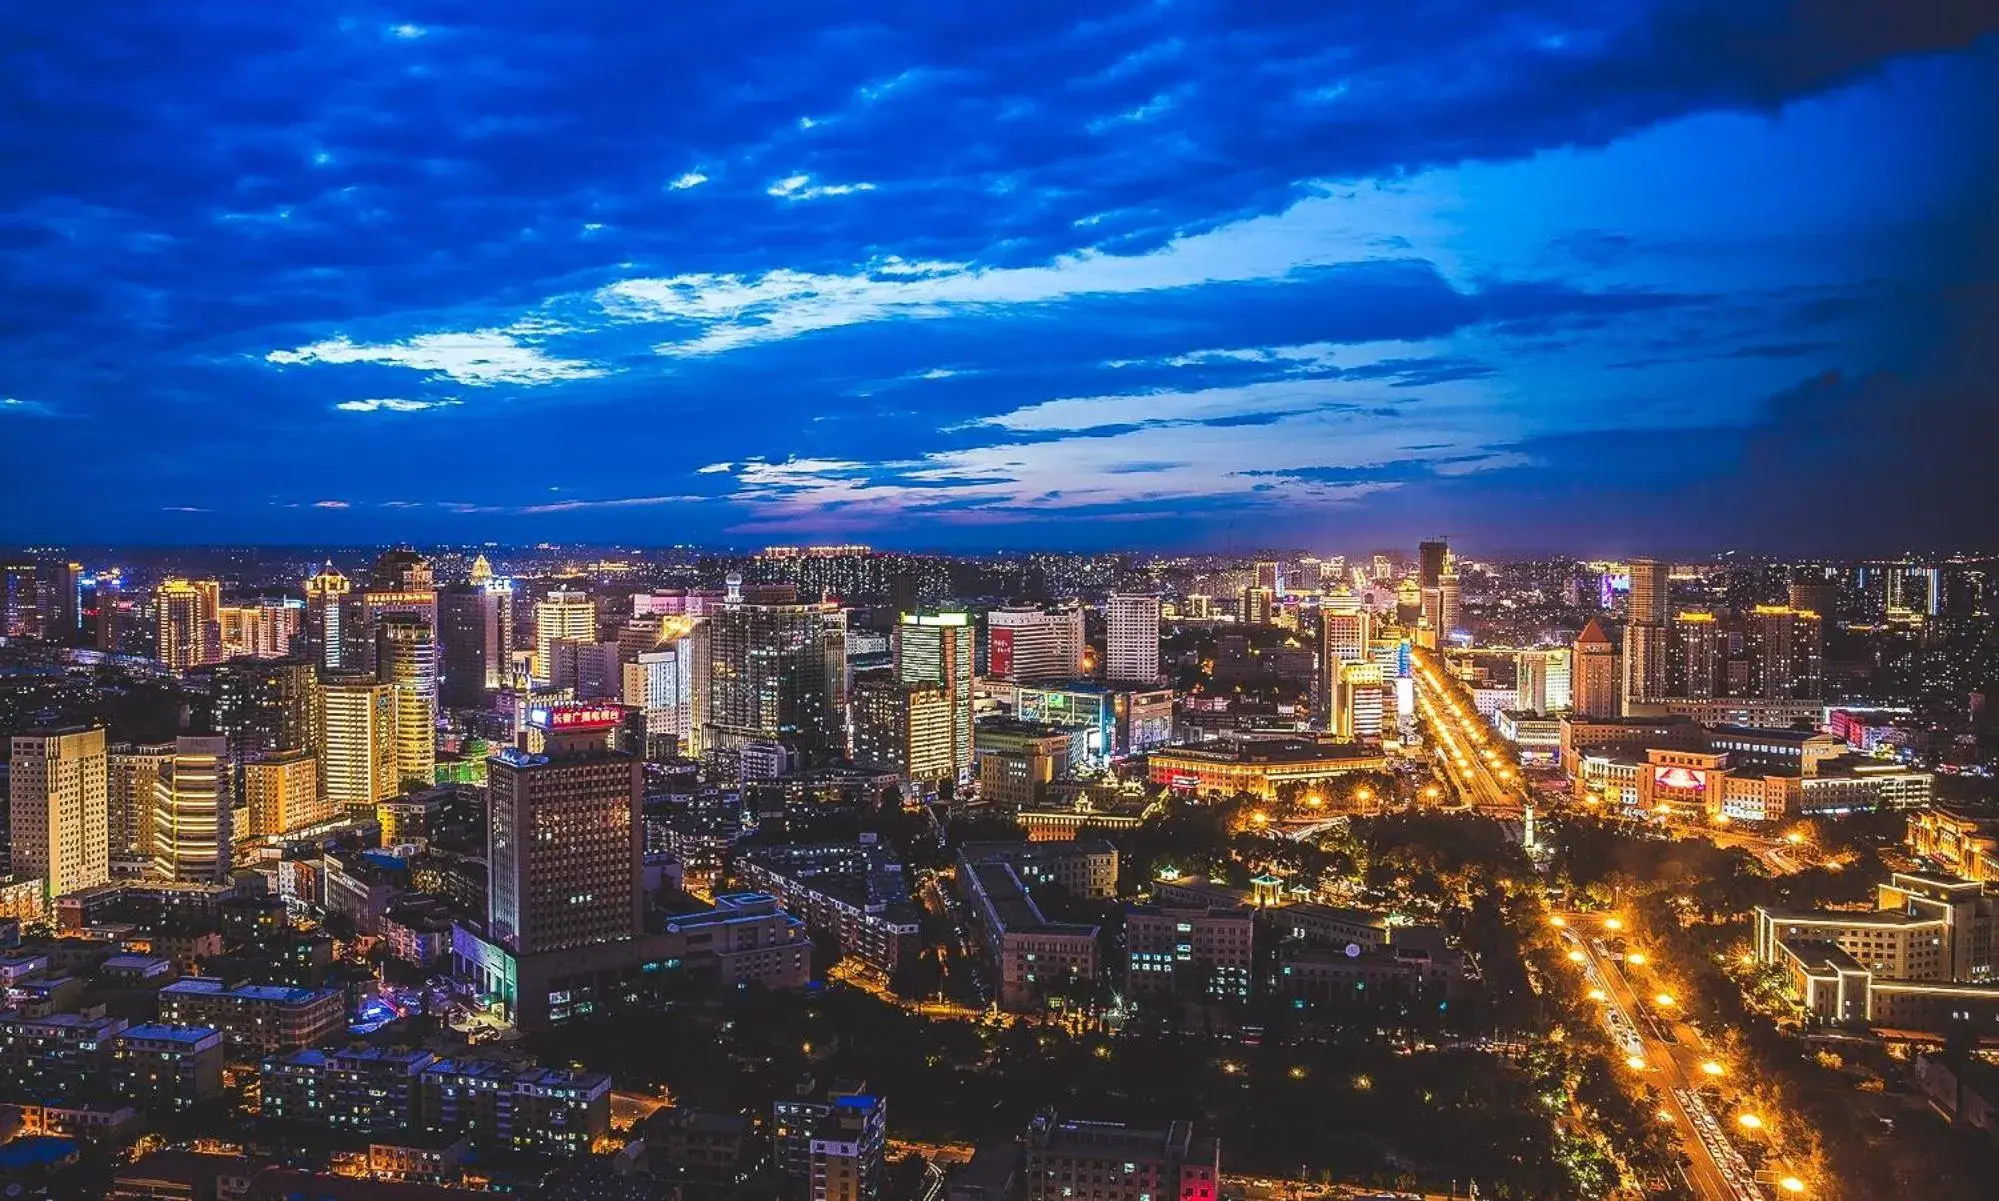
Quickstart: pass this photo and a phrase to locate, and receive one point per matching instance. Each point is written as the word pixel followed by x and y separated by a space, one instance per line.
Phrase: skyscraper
pixel 1254 604
pixel 357 750
pixel 1647 636
pixel 938 650
pixel 589 669
pixel 563 838
pixel 406 661
pixel 325 605
pixel 1449 617
pixel 660 681
pixel 61 602
pixel 1595 666
pixel 1694 657
pixel 1131 638
pixel 1029 643
pixel 474 636
pixel 1430 562
pixel 904 728
pixel 189 623
pixel 263 705
pixel 1345 636
pixel 1786 653
pixel 1357 706
pixel 777 672
pixel 133 776
pixel 20 600
pixel 58 809
pixel 192 800
pixel 563 614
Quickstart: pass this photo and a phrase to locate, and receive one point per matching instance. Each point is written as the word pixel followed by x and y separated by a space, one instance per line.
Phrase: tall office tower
pixel 1266 576
pixel 132 778
pixel 939 650
pixel 58 812
pixel 401 569
pixel 660 682
pixel 589 669
pixel 1430 562
pixel 20 600
pixel 1131 638
pixel 475 634
pixel 1786 650
pixel 848 1152
pixel 1530 676
pixel 904 728
pixel 1448 596
pixel 263 705
pixel 406 660
pixel 1694 657
pixel 357 750
pixel 281 793
pixel 1311 575
pixel 569 615
pixel 325 606
pixel 1595 667
pixel 192 800
pixel 1357 706
pixel 61 602
pixel 1027 644
pixel 1136 1165
pixel 777 672
pixel 1647 634
pixel 1384 568
pixel 1345 635
pixel 1814 593
pixel 189 623
pixel 563 838
pixel 401 584
pixel 1432 618
pixel 482 570
pixel 1254 605
pixel 100 611
pixel 1408 603
pixel 1913 590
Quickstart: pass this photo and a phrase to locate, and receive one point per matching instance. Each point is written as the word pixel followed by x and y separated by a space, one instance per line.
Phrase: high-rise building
pixel 1814 593
pixel 938 650
pixel 1254 604
pixel 1647 635
pixel 660 681
pixel 848 1152
pixel 261 630
pixel 1346 635
pixel 1541 677
pixel 564 614
pixel 1595 667
pixel 20 600
pixel 61 602
pixel 192 801
pixel 325 605
pixel 1449 615
pixel 1120 1164
pixel 406 661
pixel 1029 643
pixel 904 728
pixel 101 602
pixel 564 839
pixel 263 705
pixel 1131 638
pixel 281 792
pixel 777 673
pixel 58 819
pixel 189 623
pixel 1266 576
pixel 1357 706
pixel 1786 653
pixel 1311 575
pixel 132 781
pixel 357 751
pixel 474 636
pixel 1430 562
pixel 1695 656
pixel 589 669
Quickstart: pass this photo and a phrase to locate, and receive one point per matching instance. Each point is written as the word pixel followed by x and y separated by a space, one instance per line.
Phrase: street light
pixel 1712 1068
pixel 1597 994
pixel 1749 1121
pixel 1791 1184
pixel 1635 1062
pixel 1576 956
pixel 1611 923
pixel 1558 921
pixel 1636 958
pixel 1664 1000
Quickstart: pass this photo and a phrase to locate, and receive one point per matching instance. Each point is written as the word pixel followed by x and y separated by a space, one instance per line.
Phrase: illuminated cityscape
pixel 931 602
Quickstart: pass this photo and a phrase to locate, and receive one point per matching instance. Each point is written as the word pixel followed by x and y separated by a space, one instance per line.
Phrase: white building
pixel 1131 644
pixel 1030 644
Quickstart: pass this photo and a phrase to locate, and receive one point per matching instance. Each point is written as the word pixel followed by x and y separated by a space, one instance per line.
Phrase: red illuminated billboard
pixel 577 717
pixel 1001 653
pixel 1679 779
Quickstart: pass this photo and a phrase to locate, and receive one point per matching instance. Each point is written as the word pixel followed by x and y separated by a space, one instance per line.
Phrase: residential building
pixel 258 1019
pixel 357 740
pixel 910 729
pixel 59 813
pixel 1032 643
pixel 563 615
pixel 281 793
pixel 406 662
pixel 356 1090
pixel 856 892
pixel 777 673
pixel 166 1067
pixel 938 650
pixel 193 801
pixel 1196 953
pixel 1131 639
pixel 1104 1161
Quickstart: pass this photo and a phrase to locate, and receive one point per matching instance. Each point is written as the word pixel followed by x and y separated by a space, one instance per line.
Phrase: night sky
pixel 1592 276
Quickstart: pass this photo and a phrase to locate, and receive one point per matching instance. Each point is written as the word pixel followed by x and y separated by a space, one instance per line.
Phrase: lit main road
pixel 1677 1070
pixel 1476 760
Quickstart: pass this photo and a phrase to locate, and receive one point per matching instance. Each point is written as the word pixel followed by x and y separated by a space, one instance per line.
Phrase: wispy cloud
pixel 686 180
pixel 182 509
pixel 14 406
pixel 332 504
pixel 394 405
pixel 801 187
pixel 482 358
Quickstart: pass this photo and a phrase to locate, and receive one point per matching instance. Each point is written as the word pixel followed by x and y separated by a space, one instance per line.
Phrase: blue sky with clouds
pixel 1556 274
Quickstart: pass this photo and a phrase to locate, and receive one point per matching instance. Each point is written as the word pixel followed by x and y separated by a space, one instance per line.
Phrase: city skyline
pixel 1175 277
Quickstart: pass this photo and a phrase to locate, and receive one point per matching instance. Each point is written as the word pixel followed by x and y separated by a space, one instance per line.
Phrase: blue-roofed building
pixel 259 1019
pixel 166 1067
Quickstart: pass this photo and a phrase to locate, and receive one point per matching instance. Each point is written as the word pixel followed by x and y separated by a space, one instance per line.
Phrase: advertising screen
pixel 1679 779
pixel 1000 652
